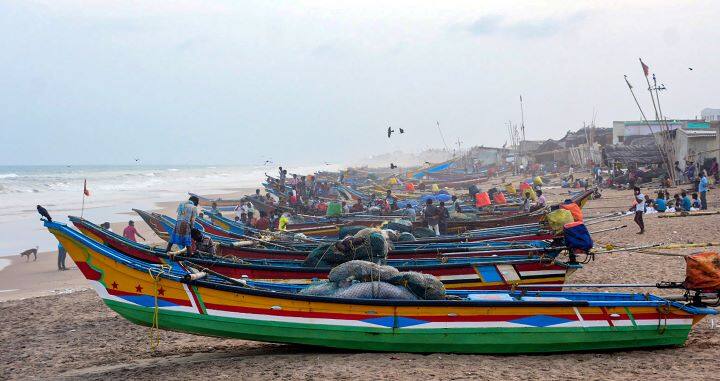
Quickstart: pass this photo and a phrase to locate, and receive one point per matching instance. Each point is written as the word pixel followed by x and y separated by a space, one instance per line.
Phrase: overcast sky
pixel 236 82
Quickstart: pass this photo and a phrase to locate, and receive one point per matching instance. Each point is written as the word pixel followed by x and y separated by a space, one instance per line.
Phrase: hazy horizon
pixel 211 83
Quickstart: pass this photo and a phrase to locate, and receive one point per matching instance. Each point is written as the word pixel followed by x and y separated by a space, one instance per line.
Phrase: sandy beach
pixel 54 328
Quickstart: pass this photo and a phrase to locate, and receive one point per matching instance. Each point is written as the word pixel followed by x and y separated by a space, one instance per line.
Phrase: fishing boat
pixel 242 249
pixel 488 272
pixel 220 202
pixel 167 297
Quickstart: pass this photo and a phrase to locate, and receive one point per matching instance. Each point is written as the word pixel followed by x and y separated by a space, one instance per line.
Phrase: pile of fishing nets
pixel 367 244
pixel 367 280
pixel 401 226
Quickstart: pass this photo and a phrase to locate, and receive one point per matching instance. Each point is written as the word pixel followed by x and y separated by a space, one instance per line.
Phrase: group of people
pixel 664 203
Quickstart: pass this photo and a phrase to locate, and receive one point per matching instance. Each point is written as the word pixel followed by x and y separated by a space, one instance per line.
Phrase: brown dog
pixel 29 252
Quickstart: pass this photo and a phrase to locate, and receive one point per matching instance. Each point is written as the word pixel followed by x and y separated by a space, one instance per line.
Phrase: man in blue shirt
pixel 660 204
pixel 686 204
pixel 702 189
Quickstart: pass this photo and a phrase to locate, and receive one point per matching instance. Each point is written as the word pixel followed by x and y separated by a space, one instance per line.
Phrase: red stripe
pixel 120 293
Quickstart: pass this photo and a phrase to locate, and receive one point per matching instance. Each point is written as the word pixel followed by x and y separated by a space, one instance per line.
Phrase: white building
pixel 710 114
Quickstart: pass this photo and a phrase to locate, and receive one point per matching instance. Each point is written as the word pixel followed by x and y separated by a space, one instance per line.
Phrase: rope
pixel 154 332
pixel 664 311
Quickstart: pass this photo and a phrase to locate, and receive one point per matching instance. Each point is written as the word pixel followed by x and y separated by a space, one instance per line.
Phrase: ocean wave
pixel 8 175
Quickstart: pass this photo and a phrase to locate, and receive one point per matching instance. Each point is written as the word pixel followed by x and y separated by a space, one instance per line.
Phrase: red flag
pixel 646 68
pixel 85 190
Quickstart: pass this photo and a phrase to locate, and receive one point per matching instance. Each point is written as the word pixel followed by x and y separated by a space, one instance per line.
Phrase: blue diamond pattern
pixel 389 321
pixel 540 320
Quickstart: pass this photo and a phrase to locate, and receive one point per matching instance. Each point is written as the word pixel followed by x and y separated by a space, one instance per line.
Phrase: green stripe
pixel 200 300
pixel 630 315
pixel 458 340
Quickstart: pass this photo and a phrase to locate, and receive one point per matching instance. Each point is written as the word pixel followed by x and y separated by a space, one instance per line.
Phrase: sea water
pixel 114 191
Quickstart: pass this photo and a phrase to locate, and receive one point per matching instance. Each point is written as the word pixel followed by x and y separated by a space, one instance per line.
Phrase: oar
pixel 608 229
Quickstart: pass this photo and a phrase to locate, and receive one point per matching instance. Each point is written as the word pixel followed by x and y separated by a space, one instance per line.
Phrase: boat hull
pixel 152 296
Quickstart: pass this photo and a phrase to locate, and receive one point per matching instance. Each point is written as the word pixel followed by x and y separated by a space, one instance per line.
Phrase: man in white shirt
pixel 639 209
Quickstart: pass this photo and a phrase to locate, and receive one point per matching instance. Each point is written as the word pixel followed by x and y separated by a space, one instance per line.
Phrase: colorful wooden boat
pixel 480 322
pixel 489 272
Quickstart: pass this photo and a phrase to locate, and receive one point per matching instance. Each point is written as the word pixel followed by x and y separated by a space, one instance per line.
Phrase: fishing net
pixel 406 237
pixel 375 290
pixel 702 271
pixel 424 286
pixel 362 271
pixel 400 226
pixel 321 289
pixel 372 247
pixel 423 233
pixel 349 230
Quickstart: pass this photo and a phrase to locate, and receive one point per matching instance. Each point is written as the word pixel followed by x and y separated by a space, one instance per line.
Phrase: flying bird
pixel 390 131
pixel 690 68
pixel 402 131
pixel 267 162
pixel 427 162
pixel 43 212
pixel 393 166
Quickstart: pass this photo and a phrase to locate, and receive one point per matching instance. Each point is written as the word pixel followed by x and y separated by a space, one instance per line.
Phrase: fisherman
pixel 639 209
pixel 283 222
pixel 473 190
pixel 214 208
pixel 444 215
pixel 130 232
pixel 202 243
pixel 695 202
pixel 678 173
pixel 432 216
pixel 541 199
pixel 409 213
pixel 660 203
pixel 345 207
pixel 61 257
pixel 262 223
pixel 250 211
pixel 257 195
pixel 456 204
pixel 677 201
pixel 357 207
pixel 571 172
pixel 526 202
pixel 391 200
pixel 703 188
pixel 686 203
pixel 186 215
pixel 106 226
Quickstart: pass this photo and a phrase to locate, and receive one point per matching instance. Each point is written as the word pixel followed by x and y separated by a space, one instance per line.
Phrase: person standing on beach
pixel 186 215
pixel 639 208
pixel 130 232
pixel 702 189
pixel 61 257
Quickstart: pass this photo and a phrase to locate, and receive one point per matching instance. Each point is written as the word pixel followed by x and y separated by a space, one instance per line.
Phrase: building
pixel 693 139
pixel 710 114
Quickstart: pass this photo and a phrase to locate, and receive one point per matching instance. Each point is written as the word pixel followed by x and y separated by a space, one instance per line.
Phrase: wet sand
pixel 74 336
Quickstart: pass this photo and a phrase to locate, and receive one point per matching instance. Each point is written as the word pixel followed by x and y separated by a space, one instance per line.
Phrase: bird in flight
pixel 690 68
pixel 402 131
pixel 390 131
pixel 393 166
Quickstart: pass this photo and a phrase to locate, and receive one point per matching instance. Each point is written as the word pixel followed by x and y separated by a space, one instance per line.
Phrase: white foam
pixel 3 264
